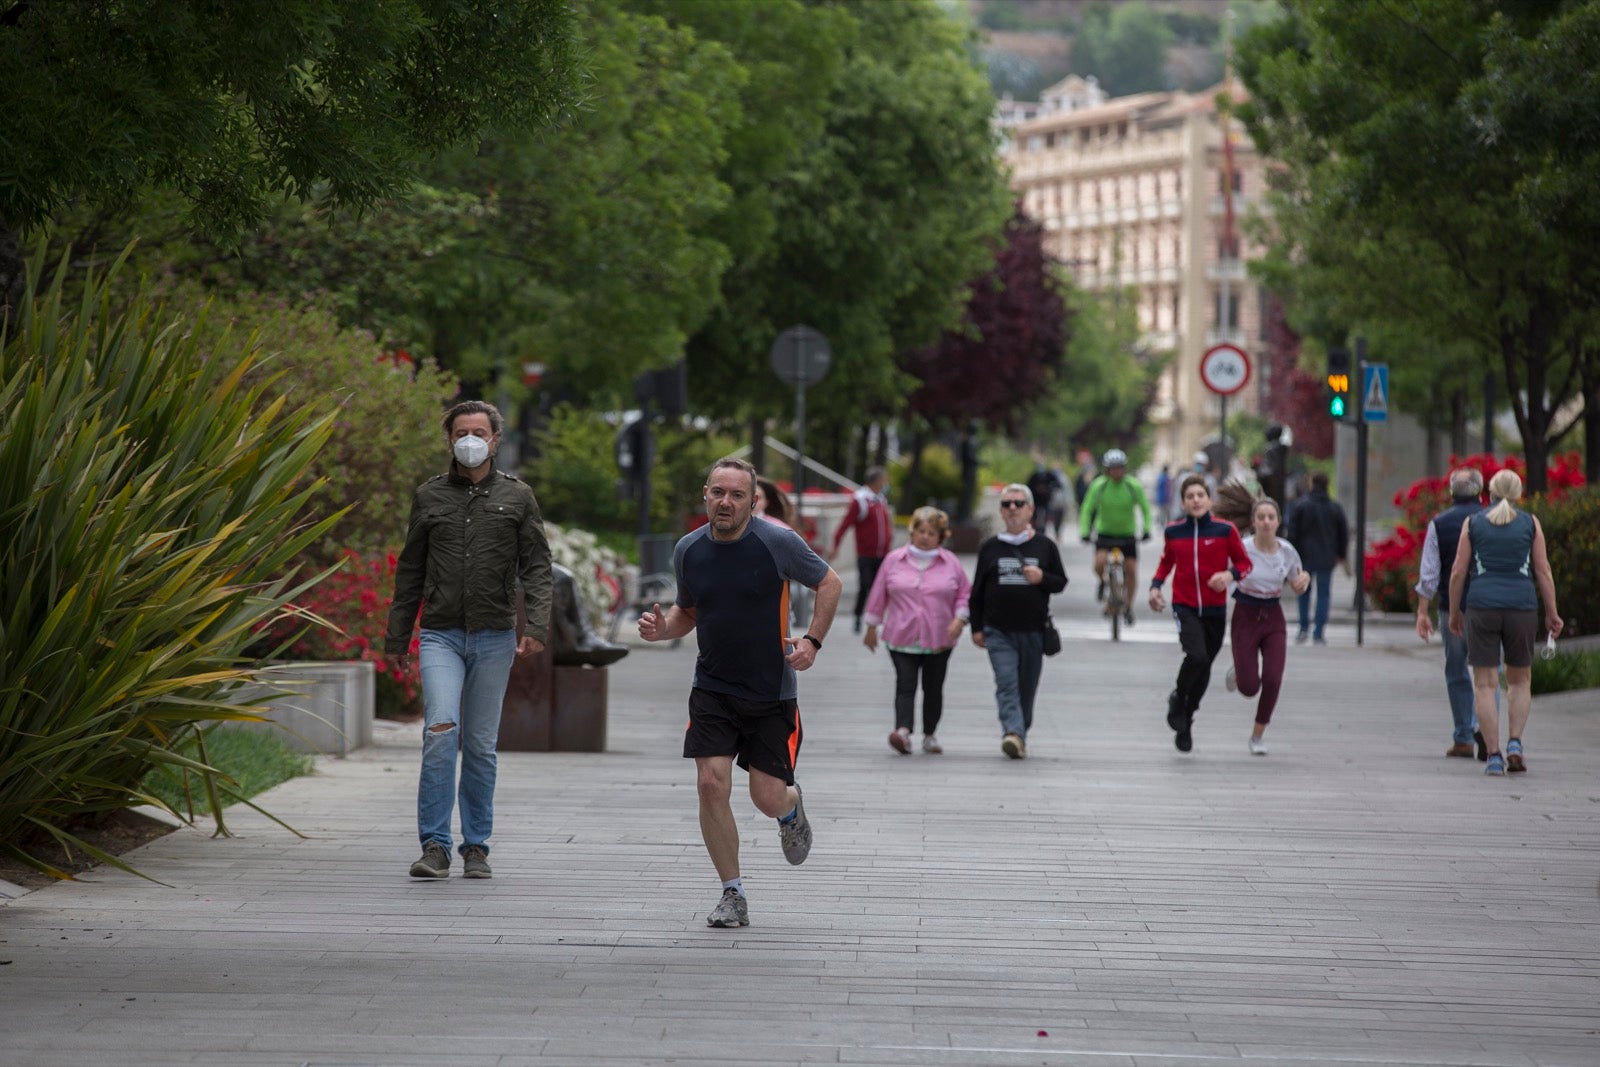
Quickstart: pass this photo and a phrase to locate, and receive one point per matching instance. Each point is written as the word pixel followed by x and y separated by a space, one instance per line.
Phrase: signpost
pixel 801 357
pixel 1225 369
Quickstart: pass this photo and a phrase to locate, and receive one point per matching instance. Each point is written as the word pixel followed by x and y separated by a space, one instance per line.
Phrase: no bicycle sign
pixel 1225 369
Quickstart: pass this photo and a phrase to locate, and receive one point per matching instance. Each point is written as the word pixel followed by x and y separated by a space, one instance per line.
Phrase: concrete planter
pixel 325 708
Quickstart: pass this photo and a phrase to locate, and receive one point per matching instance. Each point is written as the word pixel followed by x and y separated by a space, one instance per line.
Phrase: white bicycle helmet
pixel 1114 457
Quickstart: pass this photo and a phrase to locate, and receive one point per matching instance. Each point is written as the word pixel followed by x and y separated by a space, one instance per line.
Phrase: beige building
pixel 1131 194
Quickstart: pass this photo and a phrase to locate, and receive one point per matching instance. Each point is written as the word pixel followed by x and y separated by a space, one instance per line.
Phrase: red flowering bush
pixel 344 617
pixel 1392 564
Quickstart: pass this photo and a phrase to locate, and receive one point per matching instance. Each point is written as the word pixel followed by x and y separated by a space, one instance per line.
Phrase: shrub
pixel 149 501
pixel 938 480
pixel 386 435
pixel 1566 671
pixel 1571 525
pixel 1391 565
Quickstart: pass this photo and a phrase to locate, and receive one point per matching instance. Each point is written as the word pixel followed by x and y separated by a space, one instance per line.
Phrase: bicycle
pixel 1116 592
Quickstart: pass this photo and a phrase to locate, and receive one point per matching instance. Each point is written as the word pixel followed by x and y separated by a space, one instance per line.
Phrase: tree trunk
pixel 1591 416
pixel 880 452
pixel 758 443
pixel 1458 423
pixel 909 491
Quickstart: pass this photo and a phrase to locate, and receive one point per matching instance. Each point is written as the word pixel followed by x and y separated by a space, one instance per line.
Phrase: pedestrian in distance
pixel 772 503
pixel 868 515
pixel 1042 484
pixel 1498 613
pixel 1164 495
pixel 1433 577
pixel 1017 572
pixel 1319 531
pixel 1115 514
pixel 1260 633
pixel 475 541
pixel 920 600
pixel 733 583
pixel 1202 553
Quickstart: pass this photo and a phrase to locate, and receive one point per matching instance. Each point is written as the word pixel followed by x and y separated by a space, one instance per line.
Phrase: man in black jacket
pixel 1017 572
pixel 1320 533
pixel 475 540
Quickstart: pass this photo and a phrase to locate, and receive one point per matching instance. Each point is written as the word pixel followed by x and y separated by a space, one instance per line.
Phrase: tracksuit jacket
pixel 1195 550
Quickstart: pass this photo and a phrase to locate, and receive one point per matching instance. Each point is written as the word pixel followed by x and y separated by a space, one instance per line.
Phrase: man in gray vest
pixel 1438 556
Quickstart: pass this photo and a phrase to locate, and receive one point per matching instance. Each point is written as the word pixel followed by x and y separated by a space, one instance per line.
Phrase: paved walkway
pixel 1353 898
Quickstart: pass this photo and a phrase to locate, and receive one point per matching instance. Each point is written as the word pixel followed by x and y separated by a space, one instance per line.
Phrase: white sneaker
pixel 1231 681
pixel 1258 746
pixel 931 745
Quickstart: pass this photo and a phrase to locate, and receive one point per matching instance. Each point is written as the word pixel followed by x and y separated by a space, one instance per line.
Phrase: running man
pixel 1108 512
pixel 733 590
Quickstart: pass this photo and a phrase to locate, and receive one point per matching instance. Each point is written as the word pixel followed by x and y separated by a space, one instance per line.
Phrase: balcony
pixel 1231 269
pixel 1234 336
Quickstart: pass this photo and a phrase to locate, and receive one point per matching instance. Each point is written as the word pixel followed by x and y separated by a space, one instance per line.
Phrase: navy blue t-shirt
pixel 739 592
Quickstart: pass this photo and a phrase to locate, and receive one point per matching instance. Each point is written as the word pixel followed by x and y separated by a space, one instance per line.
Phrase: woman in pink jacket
pixel 920 599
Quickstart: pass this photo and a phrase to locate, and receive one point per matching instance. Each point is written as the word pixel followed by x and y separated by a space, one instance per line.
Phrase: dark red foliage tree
pixel 999 362
pixel 1295 398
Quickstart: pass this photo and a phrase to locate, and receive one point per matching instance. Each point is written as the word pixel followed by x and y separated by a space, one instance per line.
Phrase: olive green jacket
pixel 468 550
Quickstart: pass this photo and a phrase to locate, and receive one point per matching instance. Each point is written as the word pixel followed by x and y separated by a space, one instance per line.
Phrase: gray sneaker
pixel 732 910
pixel 435 862
pixel 475 863
pixel 796 835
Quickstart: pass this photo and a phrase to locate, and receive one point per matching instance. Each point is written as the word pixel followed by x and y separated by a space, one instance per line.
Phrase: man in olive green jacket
pixel 474 541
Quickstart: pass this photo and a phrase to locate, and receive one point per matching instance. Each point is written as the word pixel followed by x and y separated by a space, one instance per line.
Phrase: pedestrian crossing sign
pixel 1375 392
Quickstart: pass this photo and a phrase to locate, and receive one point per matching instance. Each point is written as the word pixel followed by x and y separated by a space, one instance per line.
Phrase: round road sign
pixel 801 356
pixel 1225 369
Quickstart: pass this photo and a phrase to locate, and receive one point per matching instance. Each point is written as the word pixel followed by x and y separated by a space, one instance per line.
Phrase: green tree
pixel 1399 214
pixel 1124 46
pixel 872 193
pixel 1102 393
pixel 232 104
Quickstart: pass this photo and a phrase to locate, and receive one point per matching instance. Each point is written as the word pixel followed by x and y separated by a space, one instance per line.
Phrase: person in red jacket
pixel 1203 554
pixel 868 515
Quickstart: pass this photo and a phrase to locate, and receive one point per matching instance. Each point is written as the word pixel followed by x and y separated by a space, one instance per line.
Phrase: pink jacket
pixel 919 604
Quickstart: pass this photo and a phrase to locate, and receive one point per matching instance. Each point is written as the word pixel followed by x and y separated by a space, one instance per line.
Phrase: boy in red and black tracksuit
pixel 1203 554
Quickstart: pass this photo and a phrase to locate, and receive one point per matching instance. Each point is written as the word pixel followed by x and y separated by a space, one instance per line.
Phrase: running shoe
pixel 1258 746
pixel 1514 763
pixel 1231 681
pixel 1496 765
pixel 931 745
pixel 475 862
pixel 732 910
pixel 900 740
pixel 795 835
pixel 1012 746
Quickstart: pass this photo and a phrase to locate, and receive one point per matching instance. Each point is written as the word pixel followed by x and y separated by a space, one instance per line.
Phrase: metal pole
pixel 1223 475
pixel 1360 391
pixel 800 450
pixel 642 463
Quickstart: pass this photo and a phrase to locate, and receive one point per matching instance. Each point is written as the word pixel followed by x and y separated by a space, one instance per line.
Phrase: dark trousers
pixel 1200 637
pixel 932 666
pixel 1260 646
pixel 866 574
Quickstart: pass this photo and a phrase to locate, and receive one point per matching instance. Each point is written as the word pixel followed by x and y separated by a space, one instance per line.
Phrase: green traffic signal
pixel 1336 407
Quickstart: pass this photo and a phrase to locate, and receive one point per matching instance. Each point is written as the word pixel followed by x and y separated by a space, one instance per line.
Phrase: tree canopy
pixel 1407 210
pixel 234 104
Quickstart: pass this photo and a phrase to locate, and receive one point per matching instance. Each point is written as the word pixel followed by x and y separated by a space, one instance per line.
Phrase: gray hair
pixel 1466 481
pixel 1018 487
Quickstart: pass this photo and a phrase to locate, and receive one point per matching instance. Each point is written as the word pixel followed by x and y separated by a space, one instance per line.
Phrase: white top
pixel 1269 570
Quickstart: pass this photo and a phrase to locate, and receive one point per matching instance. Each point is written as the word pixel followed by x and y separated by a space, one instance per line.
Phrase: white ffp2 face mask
pixel 470 451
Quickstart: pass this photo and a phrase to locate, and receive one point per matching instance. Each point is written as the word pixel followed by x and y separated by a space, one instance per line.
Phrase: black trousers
pixel 1200 637
pixel 866 574
pixel 932 666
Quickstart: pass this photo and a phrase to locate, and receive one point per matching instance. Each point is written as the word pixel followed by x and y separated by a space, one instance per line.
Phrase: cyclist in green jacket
pixel 1107 518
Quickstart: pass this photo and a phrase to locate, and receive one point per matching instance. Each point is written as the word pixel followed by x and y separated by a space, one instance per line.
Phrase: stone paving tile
pixel 1353 898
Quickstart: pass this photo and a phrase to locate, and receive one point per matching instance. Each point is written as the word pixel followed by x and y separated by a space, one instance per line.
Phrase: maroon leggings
pixel 1260 643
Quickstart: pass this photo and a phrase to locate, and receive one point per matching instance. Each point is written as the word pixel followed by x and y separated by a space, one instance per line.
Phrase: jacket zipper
pixel 1198 602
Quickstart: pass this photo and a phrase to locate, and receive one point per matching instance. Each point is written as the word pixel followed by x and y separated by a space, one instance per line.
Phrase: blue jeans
pixel 1458 682
pixel 464 675
pixel 1322 581
pixel 1016 659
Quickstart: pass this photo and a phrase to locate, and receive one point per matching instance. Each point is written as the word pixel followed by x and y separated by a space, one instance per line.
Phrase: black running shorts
pixel 1129 545
pixel 760 734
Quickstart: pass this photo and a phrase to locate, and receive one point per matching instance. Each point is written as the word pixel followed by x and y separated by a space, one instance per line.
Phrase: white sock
pixel 735 884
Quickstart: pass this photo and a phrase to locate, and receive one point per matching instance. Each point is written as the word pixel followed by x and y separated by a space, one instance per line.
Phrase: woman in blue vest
pixel 1504 550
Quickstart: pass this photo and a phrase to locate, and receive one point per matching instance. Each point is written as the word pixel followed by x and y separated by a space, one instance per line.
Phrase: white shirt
pixel 1269 570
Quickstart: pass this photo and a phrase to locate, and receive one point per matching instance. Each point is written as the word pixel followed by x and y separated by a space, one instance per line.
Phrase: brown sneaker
pixel 900 741
pixel 1012 746
pixel 1464 750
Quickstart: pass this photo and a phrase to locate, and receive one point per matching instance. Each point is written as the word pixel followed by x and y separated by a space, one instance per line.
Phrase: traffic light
pixel 1338 382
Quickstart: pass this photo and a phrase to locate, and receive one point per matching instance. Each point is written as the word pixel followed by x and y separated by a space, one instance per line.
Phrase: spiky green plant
pixel 148 504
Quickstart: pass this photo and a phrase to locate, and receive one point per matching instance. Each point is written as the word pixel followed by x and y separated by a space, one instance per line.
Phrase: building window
pixel 1177 306
pixel 1222 181
pixel 1232 321
pixel 1228 248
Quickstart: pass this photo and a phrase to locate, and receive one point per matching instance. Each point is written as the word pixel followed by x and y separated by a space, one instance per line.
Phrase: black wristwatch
pixel 813 640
